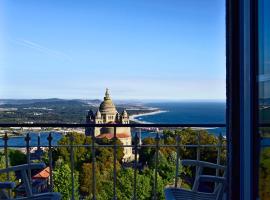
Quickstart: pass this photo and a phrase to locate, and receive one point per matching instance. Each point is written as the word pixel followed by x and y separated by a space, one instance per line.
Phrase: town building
pixel 108 114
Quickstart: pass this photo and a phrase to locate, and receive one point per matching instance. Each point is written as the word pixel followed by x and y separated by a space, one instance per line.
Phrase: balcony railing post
pixel 220 140
pixel 198 152
pixel 156 165
pixel 219 149
pixel 114 164
pixel 27 140
pixel 140 136
pixel 93 167
pixel 50 138
pixel 136 142
pixel 178 139
pixel 38 148
pixel 5 138
pixel 72 166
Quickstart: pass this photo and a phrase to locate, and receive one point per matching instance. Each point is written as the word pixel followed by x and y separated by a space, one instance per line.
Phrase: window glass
pixel 264 97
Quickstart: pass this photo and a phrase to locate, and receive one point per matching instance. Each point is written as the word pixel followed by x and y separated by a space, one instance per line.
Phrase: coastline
pixel 133 117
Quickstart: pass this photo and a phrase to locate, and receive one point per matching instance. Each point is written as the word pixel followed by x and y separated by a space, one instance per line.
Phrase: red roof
pixel 111 135
pixel 44 174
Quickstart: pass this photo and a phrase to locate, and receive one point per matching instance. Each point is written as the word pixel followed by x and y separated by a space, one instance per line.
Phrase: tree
pixel 17 157
pixel 166 168
pixel 166 164
pixel 81 154
pixel 264 177
pixel 125 185
pixel 147 153
pixel 144 186
pixel 3 177
pixel 160 184
pixel 86 178
pixel 119 150
pixel 63 181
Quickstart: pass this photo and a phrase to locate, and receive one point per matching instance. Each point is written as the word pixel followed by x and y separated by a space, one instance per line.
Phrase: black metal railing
pixel 136 146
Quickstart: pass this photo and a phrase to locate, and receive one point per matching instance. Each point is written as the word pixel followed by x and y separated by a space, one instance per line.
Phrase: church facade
pixel 108 114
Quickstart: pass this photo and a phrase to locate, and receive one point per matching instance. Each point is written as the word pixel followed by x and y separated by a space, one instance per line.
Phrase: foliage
pixel 147 153
pixel 167 155
pixel 166 164
pixel 16 157
pixel 144 186
pixel 160 183
pixel 108 151
pixel 264 176
pixel 81 154
pixel 4 177
pixel 86 178
pixel 63 181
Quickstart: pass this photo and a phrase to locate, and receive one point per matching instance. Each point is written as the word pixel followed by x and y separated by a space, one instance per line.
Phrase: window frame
pixel 242 98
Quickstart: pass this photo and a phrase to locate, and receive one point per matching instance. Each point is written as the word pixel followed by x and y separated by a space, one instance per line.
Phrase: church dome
pixel 107 106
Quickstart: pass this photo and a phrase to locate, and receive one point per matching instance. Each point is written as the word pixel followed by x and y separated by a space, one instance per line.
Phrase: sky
pixel 139 49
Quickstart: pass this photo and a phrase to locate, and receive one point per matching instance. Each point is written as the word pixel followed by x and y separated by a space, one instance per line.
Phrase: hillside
pixel 54 110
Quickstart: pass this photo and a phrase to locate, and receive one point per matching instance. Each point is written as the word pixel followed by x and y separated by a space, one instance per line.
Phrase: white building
pixel 107 114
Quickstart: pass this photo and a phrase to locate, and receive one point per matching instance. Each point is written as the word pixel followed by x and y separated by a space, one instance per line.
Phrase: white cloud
pixel 43 49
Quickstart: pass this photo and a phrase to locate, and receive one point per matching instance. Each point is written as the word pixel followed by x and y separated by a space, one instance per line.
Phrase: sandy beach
pixel 133 117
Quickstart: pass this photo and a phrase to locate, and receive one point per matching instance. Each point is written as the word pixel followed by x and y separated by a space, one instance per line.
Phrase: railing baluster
pixel 177 159
pixel 114 165
pixel 220 138
pixel 93 168
pixel 50 138
pixel 5 138
pixel 136 142
pixel 27 140
pixel 219 146
pixel 198 153
pixel 38 148
pixel 140 136
pixel 72 166
pixel 156 163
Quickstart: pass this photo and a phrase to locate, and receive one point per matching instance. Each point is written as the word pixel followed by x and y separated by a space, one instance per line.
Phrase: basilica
pixel 107 114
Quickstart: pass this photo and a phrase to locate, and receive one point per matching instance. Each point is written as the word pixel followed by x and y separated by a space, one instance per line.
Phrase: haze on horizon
pixel 139 49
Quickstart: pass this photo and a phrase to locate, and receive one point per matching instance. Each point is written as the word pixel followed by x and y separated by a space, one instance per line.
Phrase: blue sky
pixel 140 49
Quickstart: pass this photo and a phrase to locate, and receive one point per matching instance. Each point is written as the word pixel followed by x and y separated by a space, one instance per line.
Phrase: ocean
pixel 188 112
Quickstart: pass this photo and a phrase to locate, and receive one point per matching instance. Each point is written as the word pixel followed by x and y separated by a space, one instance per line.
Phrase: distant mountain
pixel 26 101
pixel 55 110
pixel 44 110
pixel 51 100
